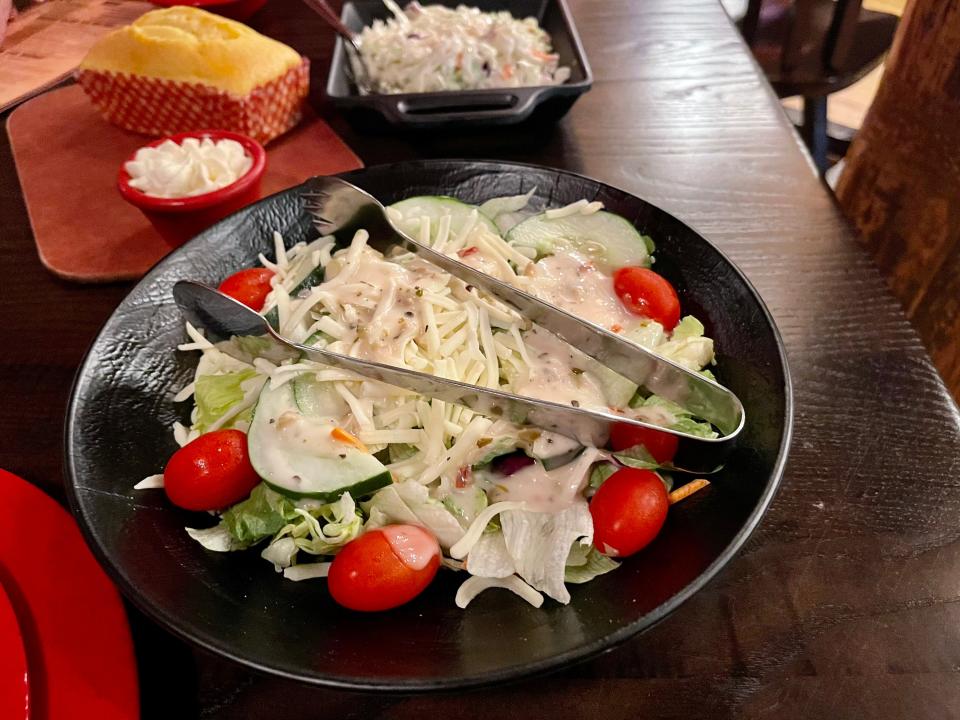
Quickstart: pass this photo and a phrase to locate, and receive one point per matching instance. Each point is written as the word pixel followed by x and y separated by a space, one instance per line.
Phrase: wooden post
pixel 901 184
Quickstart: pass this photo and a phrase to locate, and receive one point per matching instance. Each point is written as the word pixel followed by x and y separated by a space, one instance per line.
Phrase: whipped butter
pixel 192 167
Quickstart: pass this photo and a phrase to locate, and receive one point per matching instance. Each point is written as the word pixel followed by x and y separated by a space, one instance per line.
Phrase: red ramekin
pixel 235 9
pixel 179 219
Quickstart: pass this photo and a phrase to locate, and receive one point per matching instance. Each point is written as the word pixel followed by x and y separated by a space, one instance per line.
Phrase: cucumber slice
pixel 295 456
pixel 316 398
pixel 435 207
pixel 309 281
pixel 608 239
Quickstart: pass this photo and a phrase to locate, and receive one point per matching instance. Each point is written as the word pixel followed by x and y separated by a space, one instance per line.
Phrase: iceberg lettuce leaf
pixel 600 472
pixel 216 394
pixel 410 502
pixel 594 564
pixel 539 544
pixel 261 515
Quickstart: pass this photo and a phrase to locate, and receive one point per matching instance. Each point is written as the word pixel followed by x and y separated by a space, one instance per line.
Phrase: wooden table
pixel 843 604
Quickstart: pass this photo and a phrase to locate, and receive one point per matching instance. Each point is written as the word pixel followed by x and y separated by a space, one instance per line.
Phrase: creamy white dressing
pixel 482 260
pixel 412 544
pixel 552 374
pixel 544 490
pixel 379 299
pixel 294 431
pixel 572 281
pixel 550 444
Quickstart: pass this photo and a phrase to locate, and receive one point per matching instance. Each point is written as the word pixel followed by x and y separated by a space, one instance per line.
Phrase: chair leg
pixel 814 129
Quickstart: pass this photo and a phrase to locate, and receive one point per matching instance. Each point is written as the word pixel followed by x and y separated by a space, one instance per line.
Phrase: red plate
pixel 14 684
pixel 78 650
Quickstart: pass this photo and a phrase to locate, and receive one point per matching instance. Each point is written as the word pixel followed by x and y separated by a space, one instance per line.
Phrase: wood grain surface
pixel 901 180
pixel 844 604
pixel 57 135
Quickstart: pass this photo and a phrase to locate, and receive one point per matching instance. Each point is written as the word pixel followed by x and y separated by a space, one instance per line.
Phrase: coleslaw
pixel 434 48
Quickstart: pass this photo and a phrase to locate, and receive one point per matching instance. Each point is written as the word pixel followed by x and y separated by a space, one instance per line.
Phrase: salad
pixel 329 474
pixel 434 48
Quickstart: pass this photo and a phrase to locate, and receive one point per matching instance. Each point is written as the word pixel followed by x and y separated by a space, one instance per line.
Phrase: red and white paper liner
pixel 154 106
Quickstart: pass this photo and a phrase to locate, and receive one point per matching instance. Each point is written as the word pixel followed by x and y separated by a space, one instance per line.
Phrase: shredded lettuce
pixel 307 571
pixel 688 327
pixel 410 502
pixel 261 515
pixel 590 565
pixel 637 457
pixel 649 335
pixel 539 544
pixel 216 394
pixel 683 418
pixel 253 345
pixel 281 552
pixel 466 504
pixel 507 212
pixel 499 446
pixel 319 339
pixel 489 557
pixel 317 530
pixel 687 346
pixel 600 472
pixel 216 538
pixel 401 451
pixel 694 427
pixel 506 204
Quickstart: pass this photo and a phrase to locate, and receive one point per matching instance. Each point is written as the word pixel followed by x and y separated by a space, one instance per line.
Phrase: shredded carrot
pixel 506 71
pixel 546 57
pixel 685 491
pixel 616 327
pixel 343 436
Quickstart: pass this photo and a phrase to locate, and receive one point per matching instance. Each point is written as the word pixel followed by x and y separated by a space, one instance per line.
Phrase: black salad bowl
pixel 234 604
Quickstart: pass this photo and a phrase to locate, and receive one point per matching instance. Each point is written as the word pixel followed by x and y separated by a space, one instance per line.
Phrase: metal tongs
pixel 340 209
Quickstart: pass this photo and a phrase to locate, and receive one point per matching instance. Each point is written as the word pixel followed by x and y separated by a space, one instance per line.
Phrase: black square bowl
pixel 464 108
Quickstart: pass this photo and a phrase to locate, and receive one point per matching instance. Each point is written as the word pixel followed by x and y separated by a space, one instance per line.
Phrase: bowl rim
pixel 242 184
pixel 218 646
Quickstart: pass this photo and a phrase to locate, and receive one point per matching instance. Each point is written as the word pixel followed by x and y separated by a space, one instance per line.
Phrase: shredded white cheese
pixel 473 586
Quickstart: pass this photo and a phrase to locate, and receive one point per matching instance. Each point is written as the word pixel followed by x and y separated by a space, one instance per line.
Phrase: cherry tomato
pixel 648 294
pixel 211 472
pixel 384 568
pixel 628 511
pixel 250 287
pixel 663 446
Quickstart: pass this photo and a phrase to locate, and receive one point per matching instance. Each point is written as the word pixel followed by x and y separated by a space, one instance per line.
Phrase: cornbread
pixel 182 69
pixel 193 46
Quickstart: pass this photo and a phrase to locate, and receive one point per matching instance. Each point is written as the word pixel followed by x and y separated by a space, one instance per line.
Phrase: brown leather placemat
pixel 67 158
pixel 47 40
